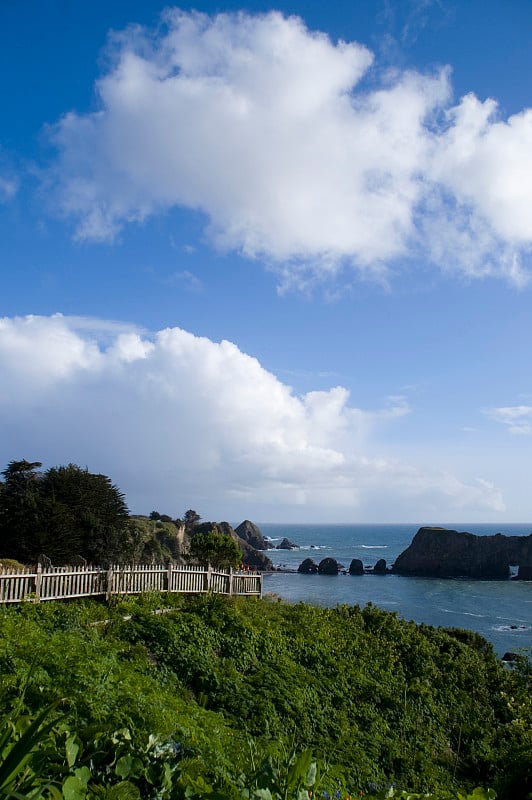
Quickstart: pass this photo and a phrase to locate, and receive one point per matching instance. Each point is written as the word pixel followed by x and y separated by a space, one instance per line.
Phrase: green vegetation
pixel 161 540
pixel 232 699
pixel 69 515
pixel 217 549
pixel 66 512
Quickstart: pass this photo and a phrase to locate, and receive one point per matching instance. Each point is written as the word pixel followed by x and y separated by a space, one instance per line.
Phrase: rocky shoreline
pixel 433 553
pixel 327 567
pixel 330 566
pixel 442 553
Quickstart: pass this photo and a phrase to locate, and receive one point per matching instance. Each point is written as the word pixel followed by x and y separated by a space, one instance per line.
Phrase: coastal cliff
pixel 444 553
pixel 251 556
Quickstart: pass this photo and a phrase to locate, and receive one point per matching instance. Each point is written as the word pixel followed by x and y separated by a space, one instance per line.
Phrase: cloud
pixel 482 171
pixel 297 150
pixel 8 188
pixel 180 421
pixel 516 419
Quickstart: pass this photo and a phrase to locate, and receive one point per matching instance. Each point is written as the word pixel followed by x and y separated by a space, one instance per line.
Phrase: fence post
pixel 52 584
pixel 109 584
pixel 38 582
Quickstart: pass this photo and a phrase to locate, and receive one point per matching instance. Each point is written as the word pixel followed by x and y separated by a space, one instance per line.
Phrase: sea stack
pixel 445 553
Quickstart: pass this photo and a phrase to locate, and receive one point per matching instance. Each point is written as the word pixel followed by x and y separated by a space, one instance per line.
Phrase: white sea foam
pixel 373 546
pixel 516 628
pixel 314 547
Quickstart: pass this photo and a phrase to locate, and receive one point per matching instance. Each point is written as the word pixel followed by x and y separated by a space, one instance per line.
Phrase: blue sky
pixel 271 262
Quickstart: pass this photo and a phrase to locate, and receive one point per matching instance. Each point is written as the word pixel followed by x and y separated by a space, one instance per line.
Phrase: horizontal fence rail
pixel 62 583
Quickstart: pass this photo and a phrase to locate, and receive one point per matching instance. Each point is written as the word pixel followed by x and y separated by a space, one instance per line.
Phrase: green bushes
pixel 217 549
pixel 216 694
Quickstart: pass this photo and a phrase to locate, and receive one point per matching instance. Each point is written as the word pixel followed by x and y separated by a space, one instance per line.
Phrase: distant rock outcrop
pixel 251 557
pixel 524 573
pixel 328 566
pixel 253 535
pixel 380 567
pixel 356 567
pixel 510 657
pixel 255 559
pixel 308 567
pixel 444 553
pixel 286 544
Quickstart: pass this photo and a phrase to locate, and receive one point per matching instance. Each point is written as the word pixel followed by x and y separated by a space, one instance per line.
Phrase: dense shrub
pixel 198 698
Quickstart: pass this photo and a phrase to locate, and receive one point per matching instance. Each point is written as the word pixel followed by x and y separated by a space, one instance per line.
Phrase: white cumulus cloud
pixel 177 421
pixel 297 150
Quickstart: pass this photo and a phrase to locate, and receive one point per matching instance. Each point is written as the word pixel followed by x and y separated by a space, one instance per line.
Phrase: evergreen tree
pixel 63 513
pixel 98 511
pixel 191 519
pixel 19 510
pixel 216 549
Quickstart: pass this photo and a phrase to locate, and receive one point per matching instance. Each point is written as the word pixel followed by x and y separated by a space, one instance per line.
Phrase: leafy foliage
pixel 155 541
pixel 95 509
pixel 66 513
pixel 217 549
pixel 220 698
pixel 191 519
pixel 19 508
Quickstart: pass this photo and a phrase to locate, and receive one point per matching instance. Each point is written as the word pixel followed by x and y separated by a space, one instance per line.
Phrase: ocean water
pixel 500 610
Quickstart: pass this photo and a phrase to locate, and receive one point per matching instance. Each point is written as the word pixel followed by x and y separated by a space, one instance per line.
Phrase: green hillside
pixel 190 703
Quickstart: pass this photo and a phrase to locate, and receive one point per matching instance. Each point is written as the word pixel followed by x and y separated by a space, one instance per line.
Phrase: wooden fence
pixel 61 583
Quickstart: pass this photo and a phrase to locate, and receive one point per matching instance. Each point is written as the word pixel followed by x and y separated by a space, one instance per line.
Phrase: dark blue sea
pixel 499 610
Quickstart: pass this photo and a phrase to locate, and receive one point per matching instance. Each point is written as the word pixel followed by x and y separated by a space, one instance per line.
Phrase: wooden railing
pixel 61 583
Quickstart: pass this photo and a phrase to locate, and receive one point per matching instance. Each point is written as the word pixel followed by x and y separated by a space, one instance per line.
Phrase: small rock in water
pixel 510 657
pixel 308 567
pixel 328 566
pixel 356 567
pixel 286 544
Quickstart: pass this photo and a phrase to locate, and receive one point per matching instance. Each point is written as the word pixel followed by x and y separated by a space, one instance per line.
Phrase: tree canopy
pixel 191 519
pixel 19 508
pixel 216 549
pixel 65 513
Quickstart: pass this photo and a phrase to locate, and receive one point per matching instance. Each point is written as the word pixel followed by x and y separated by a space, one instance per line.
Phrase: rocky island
pixel 445 553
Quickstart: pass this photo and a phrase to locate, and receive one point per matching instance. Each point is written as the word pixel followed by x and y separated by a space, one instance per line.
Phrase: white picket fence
pixel 61 583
